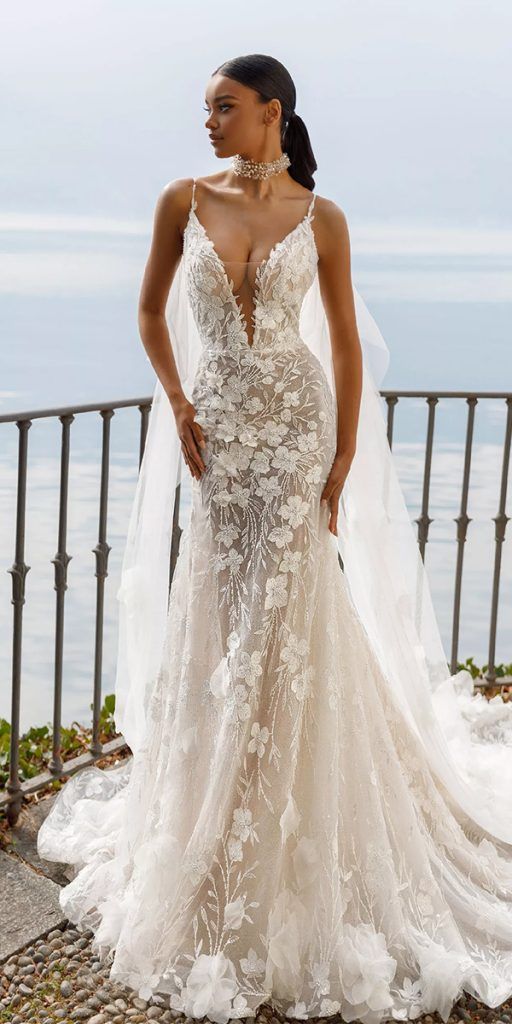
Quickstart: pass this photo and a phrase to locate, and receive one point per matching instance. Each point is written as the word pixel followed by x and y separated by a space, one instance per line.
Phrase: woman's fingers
pixel 190 462
pixel 333 518
pixel 330 497
pixel 198 433
pixel 192 449
pixel 191 436
pixel 334 485
pixel 332 503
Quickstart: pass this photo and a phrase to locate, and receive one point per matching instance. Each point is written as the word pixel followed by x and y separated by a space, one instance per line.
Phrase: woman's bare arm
pixel 164 256
pixel 334 274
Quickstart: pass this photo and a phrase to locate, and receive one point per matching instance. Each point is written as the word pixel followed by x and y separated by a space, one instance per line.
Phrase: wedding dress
pixel 315 814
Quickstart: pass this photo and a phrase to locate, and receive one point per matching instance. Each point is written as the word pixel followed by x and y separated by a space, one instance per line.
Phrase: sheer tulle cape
pixel 468 740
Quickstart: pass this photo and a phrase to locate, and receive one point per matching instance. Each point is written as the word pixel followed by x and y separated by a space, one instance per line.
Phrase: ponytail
pixel 296 142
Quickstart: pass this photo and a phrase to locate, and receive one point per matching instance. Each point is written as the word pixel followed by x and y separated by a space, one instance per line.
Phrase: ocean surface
pixel 69 336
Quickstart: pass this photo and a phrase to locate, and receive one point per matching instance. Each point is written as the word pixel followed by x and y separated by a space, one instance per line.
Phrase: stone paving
pixel 59 978
pixel 49 973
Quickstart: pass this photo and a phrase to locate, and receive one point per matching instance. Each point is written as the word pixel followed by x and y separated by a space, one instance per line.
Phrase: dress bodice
pixel 280 283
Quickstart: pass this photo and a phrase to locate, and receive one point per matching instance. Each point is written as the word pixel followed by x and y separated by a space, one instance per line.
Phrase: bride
pixel 315 814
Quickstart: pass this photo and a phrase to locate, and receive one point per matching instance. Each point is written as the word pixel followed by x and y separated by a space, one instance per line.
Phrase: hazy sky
pixel 407 103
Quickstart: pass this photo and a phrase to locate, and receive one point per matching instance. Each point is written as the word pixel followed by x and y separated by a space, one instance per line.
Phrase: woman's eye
pixel 223 106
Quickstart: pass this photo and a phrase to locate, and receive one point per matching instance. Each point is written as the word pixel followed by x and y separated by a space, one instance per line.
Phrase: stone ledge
pixel 29 905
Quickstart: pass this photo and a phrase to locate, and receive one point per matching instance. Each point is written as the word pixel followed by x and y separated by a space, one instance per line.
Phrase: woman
pixel 293 827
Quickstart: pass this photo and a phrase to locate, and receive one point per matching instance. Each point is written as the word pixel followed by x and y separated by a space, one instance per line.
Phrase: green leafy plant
pixel 35 745
pixel 478 672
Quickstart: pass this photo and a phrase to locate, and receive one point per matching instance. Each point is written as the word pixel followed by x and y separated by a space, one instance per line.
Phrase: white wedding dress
pixel 280 833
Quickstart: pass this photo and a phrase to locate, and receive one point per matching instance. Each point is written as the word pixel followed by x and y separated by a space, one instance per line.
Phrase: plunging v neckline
pixel 259 270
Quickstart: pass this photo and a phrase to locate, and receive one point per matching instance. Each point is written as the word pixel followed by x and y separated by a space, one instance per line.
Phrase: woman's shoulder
pixel 183 186
pixel 177 194
pixel 331 227
pixel 329 211
pixel 177 191
pixel 174 201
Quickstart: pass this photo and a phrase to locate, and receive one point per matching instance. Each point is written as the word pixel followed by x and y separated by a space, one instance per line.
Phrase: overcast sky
pixel 407 105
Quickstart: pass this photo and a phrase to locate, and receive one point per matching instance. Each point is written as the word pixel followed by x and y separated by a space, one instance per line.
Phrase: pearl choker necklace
pixel 253 169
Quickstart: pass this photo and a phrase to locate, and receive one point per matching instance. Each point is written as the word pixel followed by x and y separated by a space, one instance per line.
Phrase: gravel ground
pixel 58 978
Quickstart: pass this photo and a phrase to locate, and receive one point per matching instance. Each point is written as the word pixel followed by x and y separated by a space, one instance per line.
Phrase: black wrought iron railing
pixel 15 789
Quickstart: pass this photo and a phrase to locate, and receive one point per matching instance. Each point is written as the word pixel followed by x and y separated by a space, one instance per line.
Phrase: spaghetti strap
pixel 310 207
pixel 193 204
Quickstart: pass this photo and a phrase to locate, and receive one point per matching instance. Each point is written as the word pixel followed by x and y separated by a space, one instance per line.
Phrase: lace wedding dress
pixel 280 833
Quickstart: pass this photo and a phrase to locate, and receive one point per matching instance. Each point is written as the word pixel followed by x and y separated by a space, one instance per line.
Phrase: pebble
pixel 82 994
pixel 25 990
pixel 104 996
pixel 139 1003
pixel 95 1004
pixel 27 969
pixel 60 979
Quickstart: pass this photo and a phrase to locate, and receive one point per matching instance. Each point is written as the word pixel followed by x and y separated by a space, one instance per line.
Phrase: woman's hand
pixel 334 486
pixel 191 436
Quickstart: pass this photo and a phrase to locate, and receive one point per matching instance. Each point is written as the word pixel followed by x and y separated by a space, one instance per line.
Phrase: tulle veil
pixel 468 740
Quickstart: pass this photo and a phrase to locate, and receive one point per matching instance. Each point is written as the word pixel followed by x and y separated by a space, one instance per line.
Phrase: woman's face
pixel 237 119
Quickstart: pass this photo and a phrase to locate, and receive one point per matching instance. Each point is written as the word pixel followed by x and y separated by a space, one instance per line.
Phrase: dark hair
pixel 270 79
